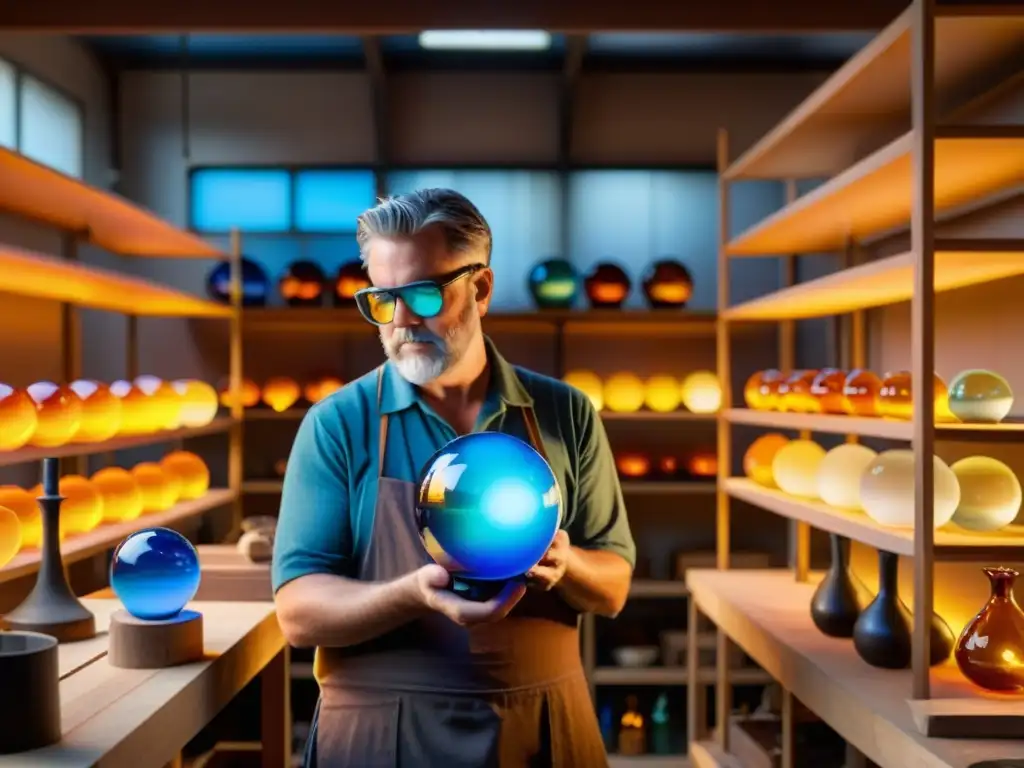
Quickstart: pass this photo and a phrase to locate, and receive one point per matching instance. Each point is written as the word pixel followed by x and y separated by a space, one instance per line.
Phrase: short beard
pixel 419 368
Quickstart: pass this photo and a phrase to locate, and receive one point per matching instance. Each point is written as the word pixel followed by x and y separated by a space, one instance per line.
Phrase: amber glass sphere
pixel 757 461
pixel 624 393
pixel 795 468
pixel 702 464
pixel 795 393
pixel 18 418
pixel 896 401
pixel 59 414
pixel 122 497
pixel 860 393
pixel 159 489
pixel 668 466
pixel 827 391
pixel 281 393
pixel 302 284
pixel 701 392
pixel 249 393
pixel 633 465
pixel 165 402
pixel 10 535
pixel 24 505
pixel 757 392
pixel 82 508
pixel 607 286
pixel 662 393
pixel 199 402
pixel 351 278
pixel 191 472
pixel 101 411
pixel 990 651
pixel 990 494
pixel 136 414
pixel 589 383
pixel 667 284
pixel 322 387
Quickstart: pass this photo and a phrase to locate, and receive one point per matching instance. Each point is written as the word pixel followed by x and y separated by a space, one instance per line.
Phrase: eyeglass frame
pixel 440 283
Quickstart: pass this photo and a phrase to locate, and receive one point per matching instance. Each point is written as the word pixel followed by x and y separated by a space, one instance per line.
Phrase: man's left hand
pixel 546 574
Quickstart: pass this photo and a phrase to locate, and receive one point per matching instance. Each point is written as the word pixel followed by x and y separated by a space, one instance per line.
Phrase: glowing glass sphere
pixel 757 461
pixel 82 508
pixel 701 392
pixel 488 507
pixel 18 418
pixel 702 463
pixel 154 573
pixel 887 490
pixel 860 393
pixel 136 415
pixel 795 393
pixel 827 391
pixel 795 468
pixel 24 505
pixel 122 498
pixel 624 393
pixel 10 535
pixel 318 389
pixel 159 489
pixel 758 393
pixel 632 465
pixel 281 393
pixel 59 414
pixel 990 494
pixel 589 383
pixel 191 472
pixel 662 393
pixel 980 397
pixel 199 402
pixel 840 472
pixel 896 400
pixel 101 411
pixel 165 403
pixel 249 394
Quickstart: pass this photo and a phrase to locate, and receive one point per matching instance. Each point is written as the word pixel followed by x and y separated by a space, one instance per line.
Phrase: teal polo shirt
pixel 330 487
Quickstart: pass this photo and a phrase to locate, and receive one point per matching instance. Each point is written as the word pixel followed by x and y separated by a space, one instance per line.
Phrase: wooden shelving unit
pixel 897 155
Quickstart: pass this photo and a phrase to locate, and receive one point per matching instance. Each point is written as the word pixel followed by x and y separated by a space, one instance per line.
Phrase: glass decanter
pixel 990 651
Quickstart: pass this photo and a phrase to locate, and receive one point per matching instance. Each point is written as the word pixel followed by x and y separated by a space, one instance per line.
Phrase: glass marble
pixel 159 489
pixel 280 393
pixel 860 393
pixel 795 393
pixel 757 393
pixel 488 508
pixel 607 285
pixel 554 284
pixel 840 472
pixel 701 392
pixel 662 393
pixel 896 400
pixel 980 397
pixel 199 402
pixel 249 393
pixel 255 286
pixel 101 411
pixel 757 461
pixel 350 279
pixel 154 573
pixel 302 284
pixel 82 508
pixel 589 383
pixel 668 467
pixel 795 468
pixel 887 490
pixel 702 464
pixel 191 472
pixel 10 535
pixel 827 391
pixel 990 494
pixel 632 465
pixel 136 413
pixel 122 497
pixel 59 414
pixel 667 284
pixel 164 404
pixel 322 387
pixel 624 393
pixel 24 505
pixel 990 650
pixel 18 418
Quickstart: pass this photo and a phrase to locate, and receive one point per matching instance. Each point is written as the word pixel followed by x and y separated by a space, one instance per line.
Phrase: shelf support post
pixel 71 334
pixel 235 457
pixel 696 693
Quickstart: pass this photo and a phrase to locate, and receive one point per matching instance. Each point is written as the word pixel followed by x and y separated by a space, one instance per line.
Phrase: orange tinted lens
pixel 381 306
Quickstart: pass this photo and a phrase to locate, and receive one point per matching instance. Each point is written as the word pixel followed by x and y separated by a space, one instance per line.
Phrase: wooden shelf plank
pixel 886 281
pixel 262 486
pixel 874 195
pixel 673 676
pixel 870 95
pixel 37 192
pixel 31 453
pixel 656 488
pixel 708 754
pixel 108 536
pixel 46 277
pixel 657 588
pixel 766 613
pixel 648 761
pixel 951 541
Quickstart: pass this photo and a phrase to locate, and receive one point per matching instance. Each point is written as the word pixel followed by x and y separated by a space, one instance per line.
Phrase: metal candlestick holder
pixel 52 608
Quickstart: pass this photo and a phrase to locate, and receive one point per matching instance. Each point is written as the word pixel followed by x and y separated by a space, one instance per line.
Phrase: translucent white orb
pixel 887 490
pixel 840 473
pixel 795 468
pixel 990 494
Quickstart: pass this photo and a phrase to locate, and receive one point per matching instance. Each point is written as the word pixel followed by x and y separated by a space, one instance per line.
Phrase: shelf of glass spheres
pixel 767 614
pixel 634 487
pixel 296 414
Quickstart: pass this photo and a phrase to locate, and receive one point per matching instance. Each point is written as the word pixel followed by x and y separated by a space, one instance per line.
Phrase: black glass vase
pixel 882 634
pixel 840 597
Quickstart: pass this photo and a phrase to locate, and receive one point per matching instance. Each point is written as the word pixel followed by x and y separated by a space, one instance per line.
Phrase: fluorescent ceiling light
pixel 485 40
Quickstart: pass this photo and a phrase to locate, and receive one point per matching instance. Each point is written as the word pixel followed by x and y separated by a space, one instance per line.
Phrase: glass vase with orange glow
pixel 248 395
pixel 122 498
pixel 199 402
pixel 18 418
pixel 59 414
pixel 101 411
pixel 827 391
pixel 990 650
pixel 319 388
pixel 190 471
pixel 135 409
pixel 165 403
pixel 24 505
pixel 280 393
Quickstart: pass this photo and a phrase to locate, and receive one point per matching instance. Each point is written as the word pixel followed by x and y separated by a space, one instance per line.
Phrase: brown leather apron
pixel 432 694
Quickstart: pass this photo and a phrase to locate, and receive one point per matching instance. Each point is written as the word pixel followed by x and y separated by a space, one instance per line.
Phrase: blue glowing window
pixel 330 200
pixel 253 200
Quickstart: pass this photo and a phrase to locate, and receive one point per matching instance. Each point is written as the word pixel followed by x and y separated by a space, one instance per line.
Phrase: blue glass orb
pixel 488 508
pixel 554 284
pixel 154 573
pixel 255 286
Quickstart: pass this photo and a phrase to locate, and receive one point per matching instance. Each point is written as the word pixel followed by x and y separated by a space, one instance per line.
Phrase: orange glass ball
pixel 668 466
pixel 122 498
pixel 164 402
pixel 633 465
pixel 59 414
pixel 281 393
pixel 199 402
pixel 795 393
pixel 159 489
pixel 18 418
pixel 624 393
pixel 24 505
pixel 757 393
pixel 191 472
pixel 82 508
pixel 860 393
pixel 757 461
pixel 135 409
pixel 249 393
pixel 896 401
pixel 702 464
pixel 101 411
pixel 10 535
pixel 827 391
pixel 318 389
pixel 662 393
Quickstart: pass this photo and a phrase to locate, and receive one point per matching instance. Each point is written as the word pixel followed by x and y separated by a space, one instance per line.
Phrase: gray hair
pixel 465 228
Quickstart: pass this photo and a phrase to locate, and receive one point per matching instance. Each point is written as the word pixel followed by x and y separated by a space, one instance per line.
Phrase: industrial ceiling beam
pixel 379 96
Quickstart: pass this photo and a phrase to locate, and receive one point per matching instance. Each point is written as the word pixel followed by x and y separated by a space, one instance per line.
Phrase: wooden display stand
pixel 143 644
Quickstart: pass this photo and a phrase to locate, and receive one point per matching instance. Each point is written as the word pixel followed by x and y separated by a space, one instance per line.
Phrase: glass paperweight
pixel 321 387
pixel 990 651
pixel 82 508
pixel 255 285
pixel 990 494
pixel 795 468
pixel 281 393
pixel 351 279
pixel 624 393
pixel 164 404
pixel 795 393
pixel 757 461
pixel 667 284
pixel 190 471
pixel 24 505
pixel 756 392
pixel 662 393
pixel 18 418
pixel 840 472
pixel 589 383
pixel 159 489
pixel 101 411
pixel 701 392
pixel 154 573
pixel 58 414
pixel 887 490
pixel 607 285
pixel 860 393
pixel 122 498
pixel 827 391
pixel 10 535
pixel 980 397
pixel 487 509
pixel 554 284
pixel 249 393
pixel 199 402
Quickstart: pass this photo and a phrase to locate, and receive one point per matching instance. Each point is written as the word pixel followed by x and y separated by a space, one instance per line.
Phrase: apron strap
pixel 533 430
pixel 382 439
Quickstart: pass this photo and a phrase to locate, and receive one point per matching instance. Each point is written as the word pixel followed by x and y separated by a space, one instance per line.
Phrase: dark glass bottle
pixel 990 651
pixel 840 597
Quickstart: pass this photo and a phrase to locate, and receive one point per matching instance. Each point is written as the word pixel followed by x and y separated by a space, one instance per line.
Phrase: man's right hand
pixel 432 582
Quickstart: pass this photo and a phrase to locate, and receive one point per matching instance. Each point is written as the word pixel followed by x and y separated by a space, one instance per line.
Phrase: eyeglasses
pixel 424 298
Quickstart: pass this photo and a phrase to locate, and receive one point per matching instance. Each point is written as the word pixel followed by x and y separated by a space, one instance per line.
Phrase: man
pixel 411 674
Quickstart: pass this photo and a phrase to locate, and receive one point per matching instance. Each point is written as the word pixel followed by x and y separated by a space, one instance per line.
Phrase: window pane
pixel 50 127
pixel 330 201
pixel 8 103
pixel 523 209
pixel 252 200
